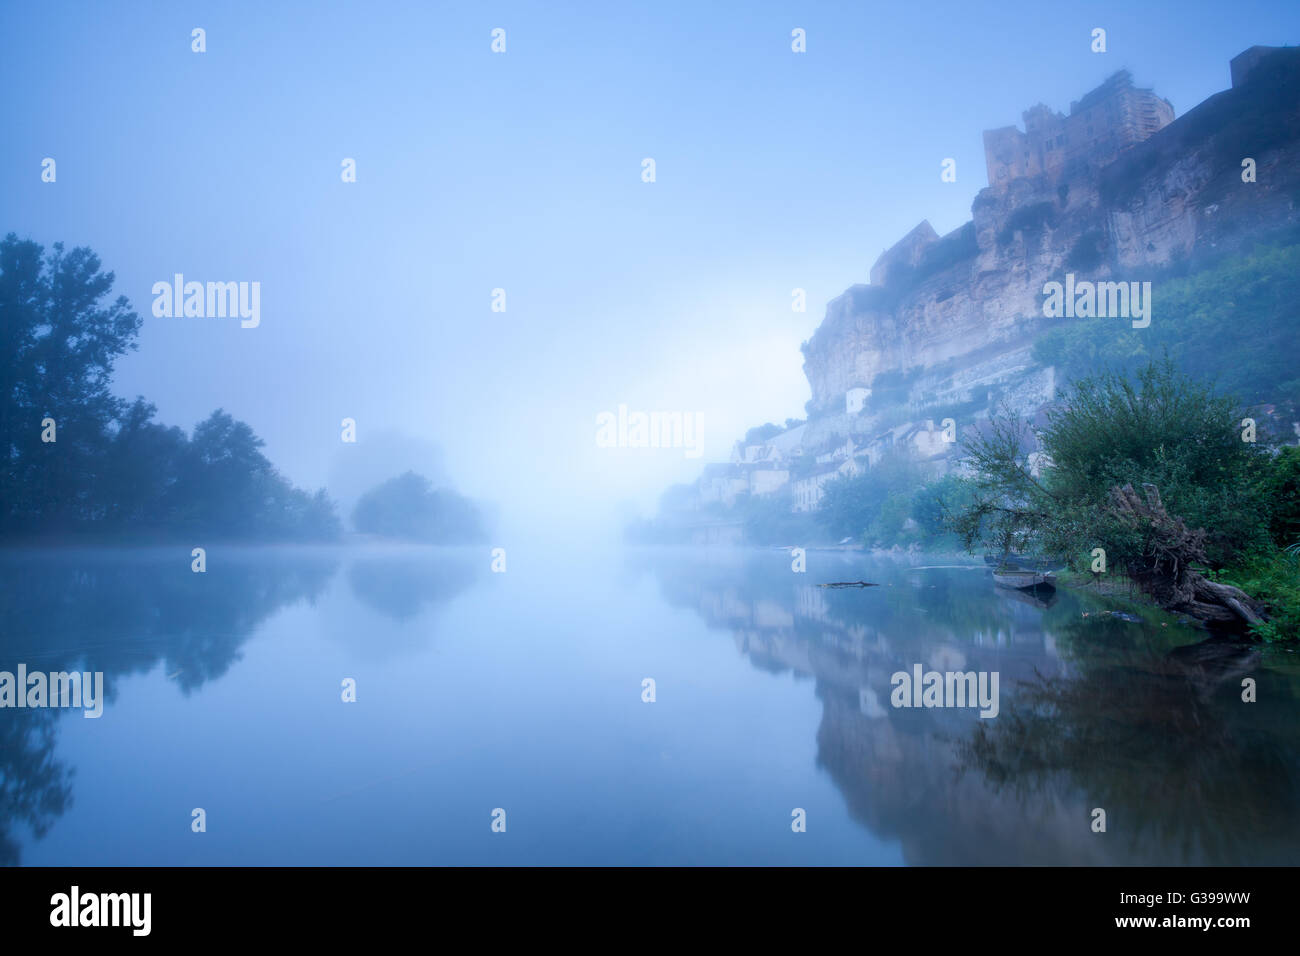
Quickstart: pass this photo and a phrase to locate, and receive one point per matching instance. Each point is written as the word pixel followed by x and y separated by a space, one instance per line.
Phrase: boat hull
pixel 1023 580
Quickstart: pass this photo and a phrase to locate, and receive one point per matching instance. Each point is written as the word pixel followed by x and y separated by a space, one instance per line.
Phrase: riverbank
pixel 1267 582
pixel 1126 595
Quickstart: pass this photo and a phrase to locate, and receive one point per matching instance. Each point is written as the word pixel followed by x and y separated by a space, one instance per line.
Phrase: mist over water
pixel 520 171
pixel 522 690
pixel 392 557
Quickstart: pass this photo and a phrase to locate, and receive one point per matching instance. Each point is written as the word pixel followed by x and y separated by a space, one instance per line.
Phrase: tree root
pixel 1166 571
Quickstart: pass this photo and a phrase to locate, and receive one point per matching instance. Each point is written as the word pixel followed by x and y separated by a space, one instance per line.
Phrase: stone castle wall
pixel 1107 121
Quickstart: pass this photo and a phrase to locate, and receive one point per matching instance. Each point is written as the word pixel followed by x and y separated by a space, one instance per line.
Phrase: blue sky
pixel 522 171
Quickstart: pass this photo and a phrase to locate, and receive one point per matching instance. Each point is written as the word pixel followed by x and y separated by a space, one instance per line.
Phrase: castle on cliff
pixel 1108 120
pixel 945 331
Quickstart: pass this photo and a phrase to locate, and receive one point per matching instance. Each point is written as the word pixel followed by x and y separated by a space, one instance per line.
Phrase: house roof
pixel 788 441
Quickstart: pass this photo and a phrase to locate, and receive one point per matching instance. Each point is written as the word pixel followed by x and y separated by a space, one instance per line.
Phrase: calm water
pixel 523 691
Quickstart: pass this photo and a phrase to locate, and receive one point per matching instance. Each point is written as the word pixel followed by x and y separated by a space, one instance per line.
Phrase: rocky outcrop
pixel 950 322
pixel 904 254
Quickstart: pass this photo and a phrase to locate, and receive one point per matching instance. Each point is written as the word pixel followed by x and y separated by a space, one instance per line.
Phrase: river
pixel 519 698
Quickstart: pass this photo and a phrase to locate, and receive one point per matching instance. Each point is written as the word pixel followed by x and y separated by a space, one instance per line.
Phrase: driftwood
pixel 1167 573
pixel 849 584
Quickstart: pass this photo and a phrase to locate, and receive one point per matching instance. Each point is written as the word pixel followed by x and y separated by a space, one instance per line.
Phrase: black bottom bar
pixel 961 905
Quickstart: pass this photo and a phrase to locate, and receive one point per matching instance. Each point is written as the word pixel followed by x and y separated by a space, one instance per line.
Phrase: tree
pixel 111 468
pixel 409 507
pixel 226 486
pixel 224 477
pixel 1232 323
pixel 139 480
pixel 767 519
pixel 934 505
pixel 1164 433
pixel 762 433
pixel 1282 487
pixel 851 505
pixel 1008 507
pixel 57 348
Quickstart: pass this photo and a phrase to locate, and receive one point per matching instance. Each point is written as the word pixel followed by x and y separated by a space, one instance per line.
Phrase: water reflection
pixel 124 612
pixel 1185 769
pixel 401 586
pixel 1143 720
pixel 128 612
pixel 35 788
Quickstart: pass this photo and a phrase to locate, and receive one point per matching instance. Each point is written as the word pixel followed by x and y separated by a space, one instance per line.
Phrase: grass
pixel 1273 579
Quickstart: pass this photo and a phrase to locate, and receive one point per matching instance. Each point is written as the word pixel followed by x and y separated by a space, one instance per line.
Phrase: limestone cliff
pixel 949 322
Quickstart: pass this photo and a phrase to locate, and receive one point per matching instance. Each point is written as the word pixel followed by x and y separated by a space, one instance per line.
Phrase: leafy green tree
pixel 851 505
pixel 409 507
pixel 1009 507
pixel 890 524
pixel 934 506
pixel 1165 429
pixel 111 468
pixel 761 433
pixel 224 477
pixel 57 348
pixel 1232 324
pixel 144 465
pixel 1108 431
pixel 768 520
pixel 226 486
pixel 1281 486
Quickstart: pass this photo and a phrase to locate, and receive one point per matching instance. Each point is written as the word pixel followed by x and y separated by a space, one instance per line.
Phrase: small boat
pixel 1018 562
pixel 1022 579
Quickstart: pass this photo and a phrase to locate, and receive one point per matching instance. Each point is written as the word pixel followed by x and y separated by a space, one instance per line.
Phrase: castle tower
pixel 1108 120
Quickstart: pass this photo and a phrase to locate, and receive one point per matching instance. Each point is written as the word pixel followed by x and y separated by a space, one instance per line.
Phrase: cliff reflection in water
pixel 1144 721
